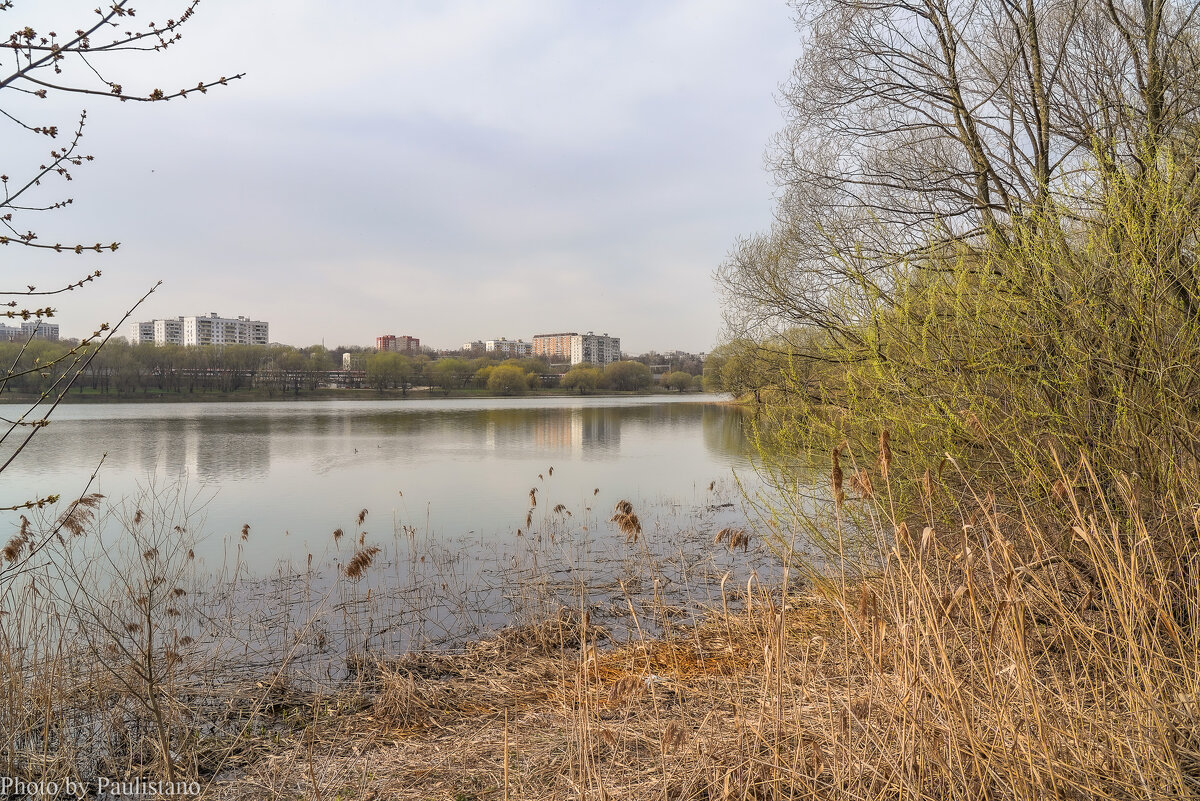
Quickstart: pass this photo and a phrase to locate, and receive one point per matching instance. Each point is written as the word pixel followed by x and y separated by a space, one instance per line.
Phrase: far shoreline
pixel 305 396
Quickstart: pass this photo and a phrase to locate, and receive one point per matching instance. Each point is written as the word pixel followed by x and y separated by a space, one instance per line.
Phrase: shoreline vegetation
pixel 949 663
pixel 68 372
pixel 323 394
pixel 977 308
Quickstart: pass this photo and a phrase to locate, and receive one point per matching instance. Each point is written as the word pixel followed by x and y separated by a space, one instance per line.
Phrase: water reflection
pixel 461 465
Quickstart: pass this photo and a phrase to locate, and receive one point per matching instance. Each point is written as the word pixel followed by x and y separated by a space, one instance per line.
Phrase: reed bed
pixel 959 670
pixel 988 650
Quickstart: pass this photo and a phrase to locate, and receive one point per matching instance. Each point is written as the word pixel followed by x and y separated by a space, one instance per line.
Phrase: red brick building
pixel 553 347
pixel 395 344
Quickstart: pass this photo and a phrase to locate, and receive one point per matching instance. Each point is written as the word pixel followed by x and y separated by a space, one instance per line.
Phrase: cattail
pixel 362 516
pixel 733 537
pixel 673 737
pixel 550 471
pixel 245 531
pixel 361 561
pixel 540 477
pixel 533 497
pixel 836 476
pixel 927 485
pixel 628 523
pixel 865 600
pixel 79 514
pixel 595 492
pixel 13 549
pixel 885 453
pixel 927 537
pixel 712 485
pixel 861 481
pixel 903 536
pixel 338 534
pixel 974 423
pixel 529 518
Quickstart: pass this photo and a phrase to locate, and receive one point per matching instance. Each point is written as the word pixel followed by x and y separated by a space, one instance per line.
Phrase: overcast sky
pixel 447 170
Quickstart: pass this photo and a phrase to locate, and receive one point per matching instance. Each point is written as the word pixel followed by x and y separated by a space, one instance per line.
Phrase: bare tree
pixel 80 59
pixel 914 125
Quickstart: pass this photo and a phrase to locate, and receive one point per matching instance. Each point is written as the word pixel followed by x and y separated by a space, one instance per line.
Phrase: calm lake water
pixel 296 471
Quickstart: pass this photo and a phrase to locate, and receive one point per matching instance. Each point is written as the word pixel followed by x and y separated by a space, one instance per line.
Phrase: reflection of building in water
pixel 558 430
pixel 586 433
pixel 212 450
pixel 600 433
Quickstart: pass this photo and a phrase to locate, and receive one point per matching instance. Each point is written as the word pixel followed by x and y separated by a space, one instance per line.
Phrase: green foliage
pixel 448 374
pixel 627 376
pixel 1060 340
pixel 389 370
pixel 508 379
pixel 582 377
pixel 677 380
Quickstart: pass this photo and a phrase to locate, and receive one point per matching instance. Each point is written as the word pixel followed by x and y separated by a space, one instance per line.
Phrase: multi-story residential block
pixel 553 347
pixel 395 344
pixel 470 346
pixel 597 349
pixel 37 329
pixel 518 347
pixel 204 330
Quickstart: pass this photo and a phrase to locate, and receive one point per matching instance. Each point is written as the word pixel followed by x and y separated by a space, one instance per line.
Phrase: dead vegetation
pixel 965 668
pixel 999 658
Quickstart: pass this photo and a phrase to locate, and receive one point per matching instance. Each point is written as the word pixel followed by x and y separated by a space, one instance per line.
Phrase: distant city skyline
pixel 456 167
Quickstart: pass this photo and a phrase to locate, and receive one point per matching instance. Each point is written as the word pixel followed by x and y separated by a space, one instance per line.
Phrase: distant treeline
pixel 124 369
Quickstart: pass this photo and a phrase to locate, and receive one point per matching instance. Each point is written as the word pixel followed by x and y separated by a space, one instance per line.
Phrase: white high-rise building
pixel 517 347
pixel 200 330
pixel 595 349
pixel 36 329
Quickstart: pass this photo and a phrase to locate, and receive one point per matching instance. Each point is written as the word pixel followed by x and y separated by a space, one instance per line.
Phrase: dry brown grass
pixel 978 663
pixel 1012 655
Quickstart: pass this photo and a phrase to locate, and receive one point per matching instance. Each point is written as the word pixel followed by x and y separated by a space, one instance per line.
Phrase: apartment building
pixel 204 330
pixel 596 349
pixel 38 329
pixel 554 348
pixel 517 348
pixel 395 344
